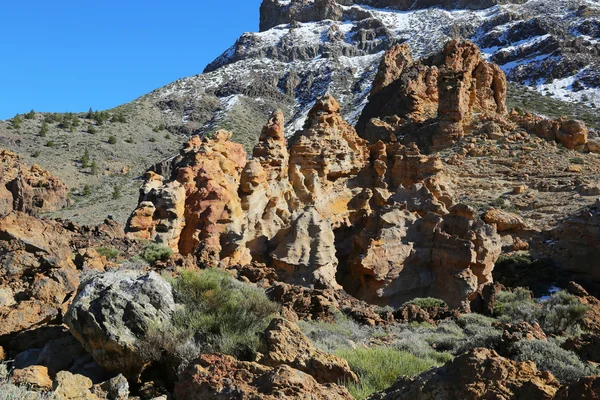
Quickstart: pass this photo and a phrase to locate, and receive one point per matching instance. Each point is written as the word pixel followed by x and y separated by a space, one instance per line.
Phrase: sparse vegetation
pixel 155 252
pixel 17 121
pixel 91 129
pixel 50 143
pixel 427 302
pixel 94 168
pixel 116 194
pixel 85 159
pixel 379 367
pixel 224 314
pixel 110 253
pixel 87 190
pixel 549 356
pixel 30 115
pixel 112 139
pixel 44 129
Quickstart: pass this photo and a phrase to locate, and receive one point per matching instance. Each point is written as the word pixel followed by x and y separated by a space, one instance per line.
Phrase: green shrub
pixel 577 160
pixel 50 143
pixel 30 115
pixel 155 252
pixel 116 194
pixel 562 313
pixel 549 356
pixel 91 129
pixel 94 168
pixel 112 139
pixel 85 159
pixel 17 121
pixel 87 190
pixel 515 306
pixel 427 302
pixel 109 252
pixel 223 314
pixel 152 140
pixel 379 367
pixel 130 140
pixel 36 154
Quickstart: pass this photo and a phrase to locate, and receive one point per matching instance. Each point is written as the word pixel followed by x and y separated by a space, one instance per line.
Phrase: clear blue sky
pixel 69 55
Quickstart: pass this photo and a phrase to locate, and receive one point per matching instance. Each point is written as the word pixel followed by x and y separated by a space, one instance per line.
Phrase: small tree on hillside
pixel 44 129
pixel 30 115
pixel 85 160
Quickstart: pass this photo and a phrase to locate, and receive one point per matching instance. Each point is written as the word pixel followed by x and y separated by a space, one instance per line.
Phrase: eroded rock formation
pixel 328 209
pixel 28 189
pixel 431 102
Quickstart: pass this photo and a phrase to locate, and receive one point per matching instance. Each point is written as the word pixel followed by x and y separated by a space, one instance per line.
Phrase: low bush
pixel 514 306
pixel 549 356
pixel 155 252
pixel 379 367
pixel 427 302
pixel 110 253
pixel 112 139
pixel 562 313
pixel 221 313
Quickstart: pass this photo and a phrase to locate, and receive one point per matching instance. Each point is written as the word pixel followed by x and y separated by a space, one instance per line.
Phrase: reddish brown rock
pixel 35 376
pixel 28 189
pixel 191 211
pixel 435 98
pixel 447 257
pixel 477 374
pixel 285 344
pixel 215 376
pixel 36 259
pixel 570 133
pixel 303 303
pixel 586 388
pixel 503 220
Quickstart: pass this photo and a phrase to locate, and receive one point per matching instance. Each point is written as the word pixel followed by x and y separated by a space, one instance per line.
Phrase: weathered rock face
pixel 432 101
pixel 112 314
pixel 400 256
pixel 477 374
pixel 190 211
pixel 28 189
pixel 574 244
pixel 223 377
pixel 285 344
pixel 37 278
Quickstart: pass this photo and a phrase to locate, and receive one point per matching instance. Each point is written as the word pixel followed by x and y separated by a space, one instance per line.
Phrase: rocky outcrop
pixel 37 278
pixel 503 220
pixel 28 189
pixel 378 220
pixel 574 244
pixel 113 313
pixel 432 101
pixel 447 257
pixel 285 344
pixel 570 133
pixel 190 211
pixel 477 374
pixel 215 376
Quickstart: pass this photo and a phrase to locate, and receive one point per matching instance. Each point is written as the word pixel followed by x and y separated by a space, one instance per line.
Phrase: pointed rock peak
pixel 325 105
pixel 392 64
pixel 461 55
pixel 275 128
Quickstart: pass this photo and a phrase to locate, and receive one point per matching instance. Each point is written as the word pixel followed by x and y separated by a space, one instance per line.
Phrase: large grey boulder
pixel 113 313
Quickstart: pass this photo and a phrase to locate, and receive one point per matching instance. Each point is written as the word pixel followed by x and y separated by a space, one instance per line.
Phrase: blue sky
pixel 71 55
